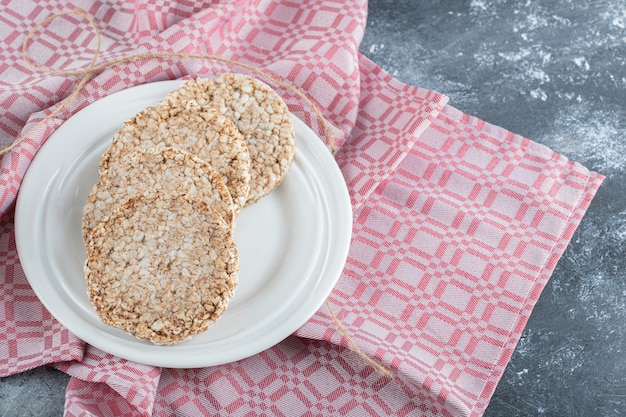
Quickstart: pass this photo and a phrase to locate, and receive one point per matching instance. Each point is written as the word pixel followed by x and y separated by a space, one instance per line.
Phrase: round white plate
pixel 292 244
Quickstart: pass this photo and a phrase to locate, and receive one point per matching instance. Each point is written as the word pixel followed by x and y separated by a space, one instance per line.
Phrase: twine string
pixel 87 73
pixel 378 367
pixel 94 67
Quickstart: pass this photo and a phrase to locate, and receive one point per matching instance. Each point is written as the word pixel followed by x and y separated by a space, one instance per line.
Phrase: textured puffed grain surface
pixel 151 171
pixel 162 269
pixel 261 116
pixel 204 132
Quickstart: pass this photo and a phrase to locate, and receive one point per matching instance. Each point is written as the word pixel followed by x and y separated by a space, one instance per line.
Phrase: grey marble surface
pixel 555 72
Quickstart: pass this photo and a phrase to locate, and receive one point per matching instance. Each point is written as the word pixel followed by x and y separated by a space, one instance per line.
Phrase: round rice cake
pixel 162 268
pixel 204 132
pixel 155 171
pixel 259 113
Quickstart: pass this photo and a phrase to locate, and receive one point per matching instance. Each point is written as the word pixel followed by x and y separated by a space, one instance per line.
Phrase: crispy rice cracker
pixel 159 170
pixel 259 113
pixel 203 132
pixel 161 268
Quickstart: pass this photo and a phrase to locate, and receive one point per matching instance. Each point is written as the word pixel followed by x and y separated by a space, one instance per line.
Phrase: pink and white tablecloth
pixel 458 224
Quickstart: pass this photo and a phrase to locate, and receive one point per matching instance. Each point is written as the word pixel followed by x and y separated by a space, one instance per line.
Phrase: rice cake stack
pixel 162 263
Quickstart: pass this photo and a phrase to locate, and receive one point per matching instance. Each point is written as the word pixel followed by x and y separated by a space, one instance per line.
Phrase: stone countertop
pixel 555 72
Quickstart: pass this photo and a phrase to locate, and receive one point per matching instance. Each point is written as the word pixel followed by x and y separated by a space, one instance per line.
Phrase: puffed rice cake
pixel 162 268
pixel 259 113
pixel 152 171
pixel 203 132
pixel 162 263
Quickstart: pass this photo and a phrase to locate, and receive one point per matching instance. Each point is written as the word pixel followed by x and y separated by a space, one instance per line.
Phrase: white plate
pixel 292 244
